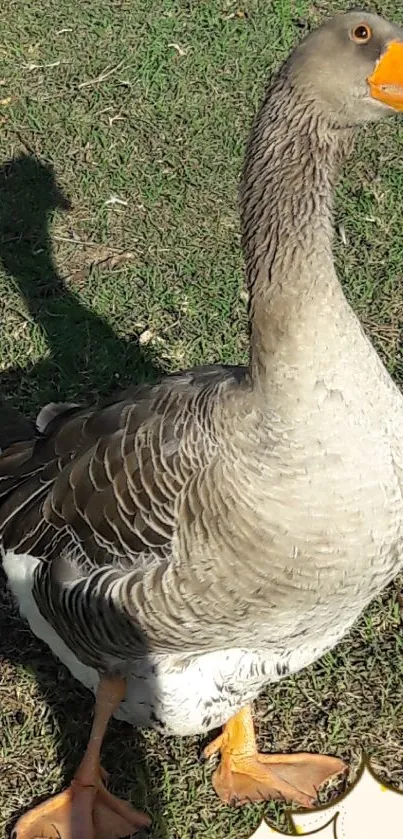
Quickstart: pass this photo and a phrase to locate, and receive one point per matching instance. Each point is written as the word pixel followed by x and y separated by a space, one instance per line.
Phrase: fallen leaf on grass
pixel 146 337
pixel 178 49
pixel 114 199
pixel 240 14
pixel 113 260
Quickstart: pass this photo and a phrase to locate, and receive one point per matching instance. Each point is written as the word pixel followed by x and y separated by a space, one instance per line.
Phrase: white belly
pixel 175 694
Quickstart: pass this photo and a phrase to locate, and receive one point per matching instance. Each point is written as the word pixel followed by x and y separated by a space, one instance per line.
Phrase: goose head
pixel 352 66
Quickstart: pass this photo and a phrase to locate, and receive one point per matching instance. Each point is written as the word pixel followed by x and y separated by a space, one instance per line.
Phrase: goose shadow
pixel 84 354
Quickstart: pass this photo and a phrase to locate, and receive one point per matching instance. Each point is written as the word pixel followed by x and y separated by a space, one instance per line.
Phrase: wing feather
pixel 94 497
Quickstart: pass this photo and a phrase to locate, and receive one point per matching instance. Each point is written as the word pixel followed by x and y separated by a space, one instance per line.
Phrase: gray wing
pixel 94 498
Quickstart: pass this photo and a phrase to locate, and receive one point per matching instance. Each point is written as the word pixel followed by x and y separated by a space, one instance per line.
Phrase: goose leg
pixel 245 775
pixel 86 810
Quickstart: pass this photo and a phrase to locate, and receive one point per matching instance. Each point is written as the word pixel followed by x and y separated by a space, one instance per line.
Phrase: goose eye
pixel 361 34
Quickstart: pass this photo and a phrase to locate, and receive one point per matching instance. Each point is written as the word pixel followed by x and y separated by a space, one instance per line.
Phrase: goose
pixel 199 538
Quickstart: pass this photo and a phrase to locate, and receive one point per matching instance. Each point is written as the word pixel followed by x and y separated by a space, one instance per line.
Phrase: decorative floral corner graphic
pixel 370 809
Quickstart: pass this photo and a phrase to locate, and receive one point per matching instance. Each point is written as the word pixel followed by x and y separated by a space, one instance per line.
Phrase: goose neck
pixel 292 161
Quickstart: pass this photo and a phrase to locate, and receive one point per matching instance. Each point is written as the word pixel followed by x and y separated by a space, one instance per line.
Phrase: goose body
pixel 330 525
pixel 221 529
pixel 222 679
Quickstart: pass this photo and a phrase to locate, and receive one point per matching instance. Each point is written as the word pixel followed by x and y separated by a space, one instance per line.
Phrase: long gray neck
pixel 291 164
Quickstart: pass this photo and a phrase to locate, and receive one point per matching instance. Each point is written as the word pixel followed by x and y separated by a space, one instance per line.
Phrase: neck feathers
pixel 292 161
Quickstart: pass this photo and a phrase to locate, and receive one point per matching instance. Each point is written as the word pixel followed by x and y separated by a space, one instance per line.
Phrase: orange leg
pixel 86 810
pixel 245 775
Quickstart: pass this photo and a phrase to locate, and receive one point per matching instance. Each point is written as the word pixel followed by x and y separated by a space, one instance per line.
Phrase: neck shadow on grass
pixel 84 354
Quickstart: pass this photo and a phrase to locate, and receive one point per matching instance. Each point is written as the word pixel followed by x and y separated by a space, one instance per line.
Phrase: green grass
pixel 94 295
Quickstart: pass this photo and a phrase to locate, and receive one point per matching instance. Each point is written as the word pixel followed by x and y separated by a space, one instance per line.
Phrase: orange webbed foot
pixel 86 810
pixel 292 778
pixel 244 775
pixel 81 813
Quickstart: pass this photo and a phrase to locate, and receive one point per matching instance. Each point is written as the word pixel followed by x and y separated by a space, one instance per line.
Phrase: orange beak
pixel 386 82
